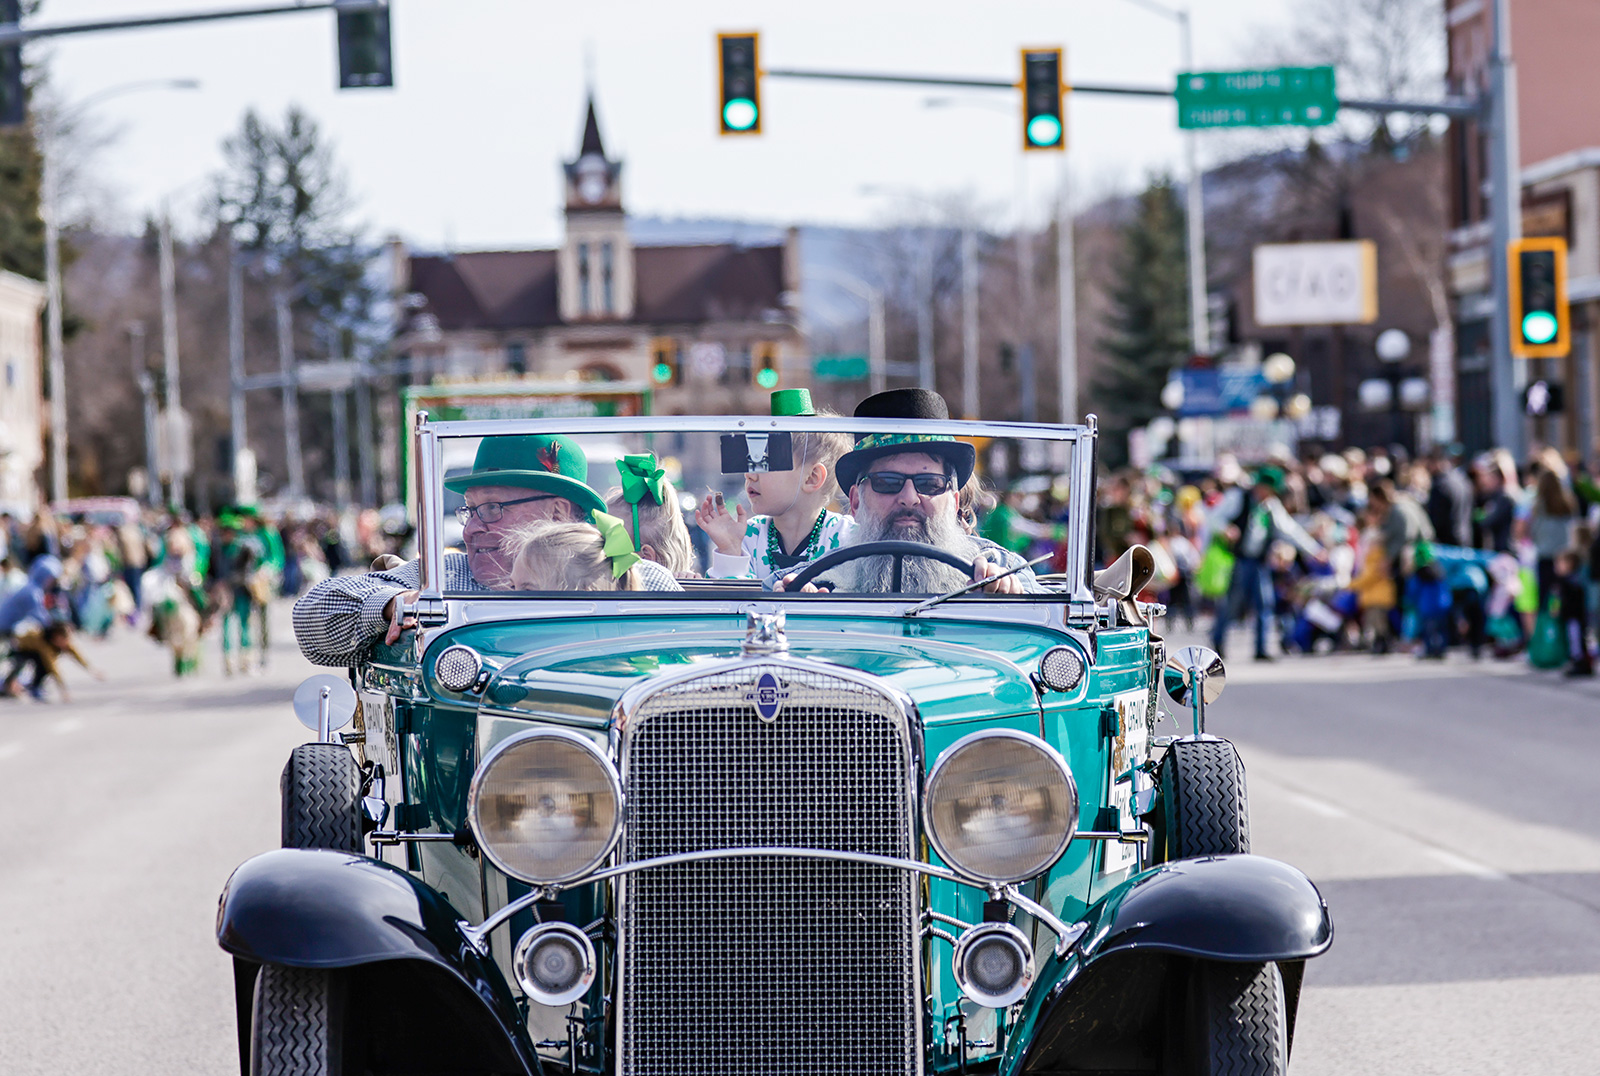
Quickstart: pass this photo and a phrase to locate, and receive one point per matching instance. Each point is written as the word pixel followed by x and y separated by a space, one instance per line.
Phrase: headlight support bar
pixel 1066 936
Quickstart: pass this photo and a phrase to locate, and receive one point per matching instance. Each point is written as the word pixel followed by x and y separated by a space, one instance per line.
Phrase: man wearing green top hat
pixel 1250 521
pixel 514 481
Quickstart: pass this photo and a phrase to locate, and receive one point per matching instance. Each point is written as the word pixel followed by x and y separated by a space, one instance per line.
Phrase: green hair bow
pixel 618 546
pixel 640 478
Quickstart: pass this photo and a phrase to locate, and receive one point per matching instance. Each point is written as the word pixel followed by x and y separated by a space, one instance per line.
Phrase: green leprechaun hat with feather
pixel 548 463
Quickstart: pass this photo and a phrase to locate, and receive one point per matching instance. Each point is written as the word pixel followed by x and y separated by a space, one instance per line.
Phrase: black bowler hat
pixel 904 403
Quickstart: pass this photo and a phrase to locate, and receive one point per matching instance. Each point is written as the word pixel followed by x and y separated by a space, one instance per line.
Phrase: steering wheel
pixel 898 550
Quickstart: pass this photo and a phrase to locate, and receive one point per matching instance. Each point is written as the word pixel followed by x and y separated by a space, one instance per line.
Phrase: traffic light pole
pixel 16 34
pixel 1505 209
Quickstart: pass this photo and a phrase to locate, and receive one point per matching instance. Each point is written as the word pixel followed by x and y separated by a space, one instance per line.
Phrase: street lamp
pixel 1199 329
pixel 51 123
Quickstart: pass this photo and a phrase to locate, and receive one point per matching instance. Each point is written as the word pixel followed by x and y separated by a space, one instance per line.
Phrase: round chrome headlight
pixel 1000 805
pixel 546 806
pixel 554 962
pixel 994 964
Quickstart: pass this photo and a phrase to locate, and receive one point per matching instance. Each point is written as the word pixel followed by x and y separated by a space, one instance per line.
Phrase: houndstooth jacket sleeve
pixel 337 621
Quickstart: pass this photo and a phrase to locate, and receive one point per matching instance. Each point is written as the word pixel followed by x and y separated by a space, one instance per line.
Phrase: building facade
pixel 21 392
pixel 712 327
pixel 1552 42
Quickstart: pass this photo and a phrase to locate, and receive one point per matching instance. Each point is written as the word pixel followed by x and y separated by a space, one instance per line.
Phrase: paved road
pixel 1450 814
pixel 1451 817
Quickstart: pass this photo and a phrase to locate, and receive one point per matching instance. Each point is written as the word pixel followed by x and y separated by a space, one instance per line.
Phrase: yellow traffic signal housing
pixel 666 367
pixel 1541 317
pixel 739 83
pixel 764 364
pixel 1044 119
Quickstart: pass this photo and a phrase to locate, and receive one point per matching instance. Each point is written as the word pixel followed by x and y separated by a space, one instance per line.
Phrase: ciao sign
pixel 1316 283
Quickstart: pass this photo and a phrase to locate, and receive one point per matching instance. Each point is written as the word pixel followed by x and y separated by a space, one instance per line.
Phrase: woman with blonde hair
pixel 647 504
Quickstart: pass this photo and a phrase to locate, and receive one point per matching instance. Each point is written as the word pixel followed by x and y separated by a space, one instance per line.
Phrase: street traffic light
pixel 365 56
pixel 764 364
pixel 1541 326
pixel 13 99
pixel 739 79
pixel 1043 119
pixel 665 367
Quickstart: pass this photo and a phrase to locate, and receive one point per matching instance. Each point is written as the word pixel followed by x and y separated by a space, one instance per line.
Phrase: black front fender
pixel 323 909
pixel 1241 907
pixel 1107 1004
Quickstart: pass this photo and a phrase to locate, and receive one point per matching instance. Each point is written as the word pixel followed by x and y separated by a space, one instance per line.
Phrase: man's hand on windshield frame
pixel 984 569
pixel 397 623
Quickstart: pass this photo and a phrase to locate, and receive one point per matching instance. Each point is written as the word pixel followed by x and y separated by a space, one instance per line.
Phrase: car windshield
pixel 751 504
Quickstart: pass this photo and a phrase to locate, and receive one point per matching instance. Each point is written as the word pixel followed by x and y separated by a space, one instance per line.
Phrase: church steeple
pixel 593 181
pixel 596 265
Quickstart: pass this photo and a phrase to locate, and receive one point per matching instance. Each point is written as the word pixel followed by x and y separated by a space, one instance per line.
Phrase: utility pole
pixel 969 323
pixel 1028 388
pixel 53 344
pixel 147 389
pixel 1067 300
pixel 1505 187
pixel 338 400
pixel 925 370
pixel 368 481
pixel 1199 320
pixel 237 434
pixel 177 454
pixel 291 397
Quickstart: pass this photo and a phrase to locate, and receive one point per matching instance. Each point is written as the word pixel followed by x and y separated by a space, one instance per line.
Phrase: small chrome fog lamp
pixel 554 962
pixel 1060 669
pixel 458 667
pixel 994 964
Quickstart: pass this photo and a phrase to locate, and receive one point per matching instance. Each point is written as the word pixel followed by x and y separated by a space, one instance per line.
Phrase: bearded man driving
pixel 514 481
pixel 906 487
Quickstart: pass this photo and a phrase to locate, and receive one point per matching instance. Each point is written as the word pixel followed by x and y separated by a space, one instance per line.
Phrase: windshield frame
pixel 430 436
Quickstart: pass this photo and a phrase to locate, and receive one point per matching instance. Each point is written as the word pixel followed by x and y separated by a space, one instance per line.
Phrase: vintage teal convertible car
pixel 732 830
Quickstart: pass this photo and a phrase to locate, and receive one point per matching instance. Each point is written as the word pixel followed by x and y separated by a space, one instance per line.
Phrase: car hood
pixel 576 669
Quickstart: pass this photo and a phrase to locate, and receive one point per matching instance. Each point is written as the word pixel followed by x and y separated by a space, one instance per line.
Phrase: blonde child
pixel 788 523
pixel 572 556
pixel 647 504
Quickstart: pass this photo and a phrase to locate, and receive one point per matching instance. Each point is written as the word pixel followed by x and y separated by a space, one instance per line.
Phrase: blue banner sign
pixel 1219 390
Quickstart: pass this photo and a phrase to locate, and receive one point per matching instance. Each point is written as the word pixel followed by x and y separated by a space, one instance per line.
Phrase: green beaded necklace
pixel 777 557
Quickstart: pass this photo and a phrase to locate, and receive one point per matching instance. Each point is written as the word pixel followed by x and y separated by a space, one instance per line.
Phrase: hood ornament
pixel 763 633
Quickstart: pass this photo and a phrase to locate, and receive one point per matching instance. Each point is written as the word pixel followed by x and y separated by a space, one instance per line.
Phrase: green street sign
pixel 1301 96
pixel 840 368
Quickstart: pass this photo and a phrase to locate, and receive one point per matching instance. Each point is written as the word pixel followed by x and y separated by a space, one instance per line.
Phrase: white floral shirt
pixel 752 562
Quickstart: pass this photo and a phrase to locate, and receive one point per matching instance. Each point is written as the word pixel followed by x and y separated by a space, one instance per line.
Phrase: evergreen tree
pixel 1149 322
pixel 21 173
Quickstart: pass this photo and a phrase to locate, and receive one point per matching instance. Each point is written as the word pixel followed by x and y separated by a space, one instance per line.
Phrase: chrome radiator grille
pixel 780 966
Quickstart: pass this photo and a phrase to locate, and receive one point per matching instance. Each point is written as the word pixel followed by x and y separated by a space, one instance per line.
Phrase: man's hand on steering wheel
pixel 985 569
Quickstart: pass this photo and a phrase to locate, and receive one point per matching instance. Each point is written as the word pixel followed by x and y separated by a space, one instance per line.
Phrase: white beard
pixel 918 575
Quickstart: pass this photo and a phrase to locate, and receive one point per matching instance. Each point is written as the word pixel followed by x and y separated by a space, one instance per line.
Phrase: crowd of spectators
pixel 91 568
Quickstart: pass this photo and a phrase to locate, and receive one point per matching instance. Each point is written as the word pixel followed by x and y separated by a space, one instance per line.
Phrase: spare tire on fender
pixel 1203 808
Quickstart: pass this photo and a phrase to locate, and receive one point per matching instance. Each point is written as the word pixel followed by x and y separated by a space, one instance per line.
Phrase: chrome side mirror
pixel 324 703
pixel 1194 677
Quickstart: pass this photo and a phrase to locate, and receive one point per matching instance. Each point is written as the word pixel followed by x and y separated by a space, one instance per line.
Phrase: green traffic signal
pixel 1540 327
pixel 1044 131
pixel 767 378
pixel 662 372
pixel 740 114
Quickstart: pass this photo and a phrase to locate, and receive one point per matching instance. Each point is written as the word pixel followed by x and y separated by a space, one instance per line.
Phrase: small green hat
pixel 790 403
pixel 544 462
pixel 1270 476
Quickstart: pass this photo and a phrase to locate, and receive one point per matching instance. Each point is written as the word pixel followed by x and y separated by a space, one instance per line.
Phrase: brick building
pixel 602 307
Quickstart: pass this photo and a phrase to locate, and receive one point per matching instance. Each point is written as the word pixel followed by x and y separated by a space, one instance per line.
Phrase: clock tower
pixel 596 272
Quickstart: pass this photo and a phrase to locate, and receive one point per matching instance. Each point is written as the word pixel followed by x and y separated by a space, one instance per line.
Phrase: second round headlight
pixel 546 806
pixel 1000 805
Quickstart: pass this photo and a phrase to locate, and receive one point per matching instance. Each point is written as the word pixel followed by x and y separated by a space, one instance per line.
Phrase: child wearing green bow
pixel 575 556
pixel 648 505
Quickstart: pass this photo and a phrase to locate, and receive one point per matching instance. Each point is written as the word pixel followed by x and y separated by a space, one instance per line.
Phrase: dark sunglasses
pixel 491 511
pixel 889 483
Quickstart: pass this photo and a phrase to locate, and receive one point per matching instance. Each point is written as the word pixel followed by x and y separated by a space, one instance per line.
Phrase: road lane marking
pixel 1467 866
pixel 7 750
pixel 66 725
pixel 1317 806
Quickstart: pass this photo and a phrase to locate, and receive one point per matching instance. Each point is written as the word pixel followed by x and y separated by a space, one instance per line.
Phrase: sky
pixel 464 152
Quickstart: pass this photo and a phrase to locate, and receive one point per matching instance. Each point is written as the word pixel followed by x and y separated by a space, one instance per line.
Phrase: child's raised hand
pixel 725 531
